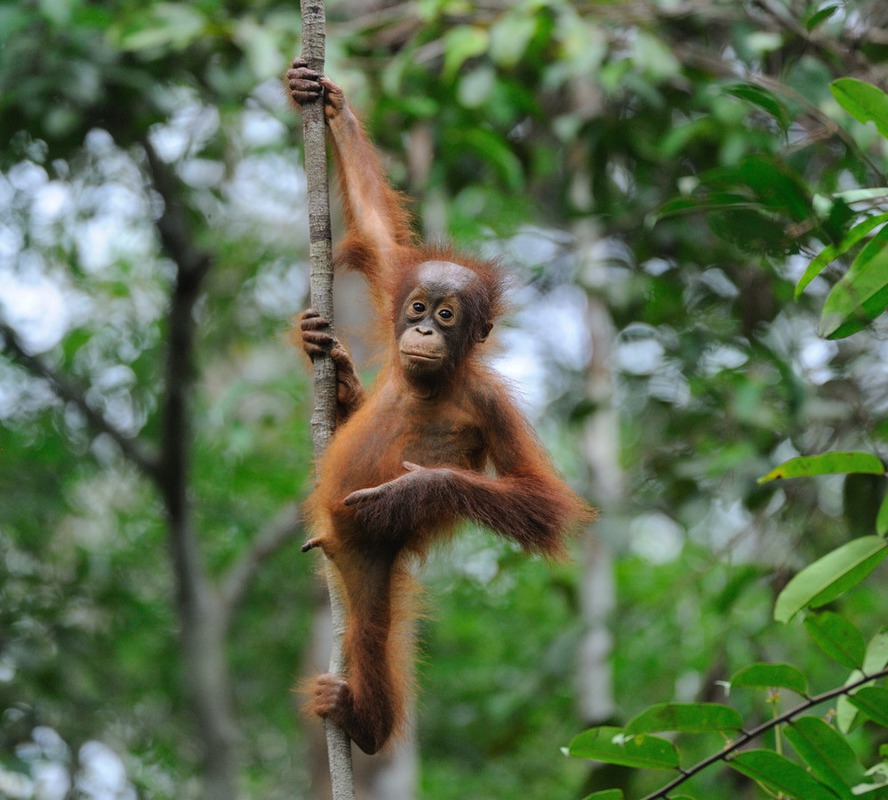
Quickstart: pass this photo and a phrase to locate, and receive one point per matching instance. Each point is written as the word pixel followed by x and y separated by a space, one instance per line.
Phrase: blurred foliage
pixel 684 161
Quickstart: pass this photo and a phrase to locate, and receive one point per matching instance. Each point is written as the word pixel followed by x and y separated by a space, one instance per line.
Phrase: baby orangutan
pixel 437 440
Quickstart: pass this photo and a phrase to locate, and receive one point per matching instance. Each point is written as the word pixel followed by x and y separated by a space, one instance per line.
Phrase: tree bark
pixel 323 417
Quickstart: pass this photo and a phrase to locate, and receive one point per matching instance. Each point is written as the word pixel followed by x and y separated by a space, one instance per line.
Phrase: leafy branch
pixel 748 736
pixel 830 769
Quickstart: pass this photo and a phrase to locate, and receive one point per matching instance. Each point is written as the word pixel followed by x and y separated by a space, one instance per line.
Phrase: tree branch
pixel 65 389
pixel 748 736
pixel 282 530
pixel 323 419
pixel 850 60
pixel 693 55
pixel 191 267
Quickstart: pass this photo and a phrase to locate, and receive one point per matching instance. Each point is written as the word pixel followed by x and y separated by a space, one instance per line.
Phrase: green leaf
pixel 820 16
pixel 768 675
pixel 762 98
pixel 607 794
pixel 826 464
pixel 837 637
pixel 863 101
pixel 776 185
pixel 876 658
pixel 882 517
pixel 779 774
pixel 862 293
pixel 461 44
pixel 872 701
pixel 825 256
pixel 495 151
pixel 827 753
pixel 687 717
pixel 654 57
pixel 616 746
pixel 770 189
pixel 830 576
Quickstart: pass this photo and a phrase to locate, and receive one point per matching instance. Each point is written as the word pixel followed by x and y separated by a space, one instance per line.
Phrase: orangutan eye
pixel 418 307
pixel 445 313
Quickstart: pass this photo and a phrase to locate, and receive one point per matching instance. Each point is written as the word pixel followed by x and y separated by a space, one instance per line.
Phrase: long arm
pixel 377 222
pixel 374 212
pixel 526 501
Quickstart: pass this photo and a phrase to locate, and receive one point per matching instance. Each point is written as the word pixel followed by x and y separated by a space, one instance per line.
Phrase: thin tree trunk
pixel 602 453
pixel 598 586
pixel 323 417
pixel 197 602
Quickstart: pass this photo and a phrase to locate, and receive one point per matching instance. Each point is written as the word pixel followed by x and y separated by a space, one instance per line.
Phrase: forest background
pixel 660 173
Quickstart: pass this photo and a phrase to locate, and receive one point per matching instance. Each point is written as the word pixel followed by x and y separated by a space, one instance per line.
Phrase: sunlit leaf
pixel 871 791
pixel 653 56
pixel 876 658
pixel 768 675
pixel 779 774
pixel 830 576
pixel 872 701
pixel 825 256
pixel 862 293
pixel 826 464
pixel 462 43
pixel 826 752
pixel 510 36
pixel 882 517
pixel 837 637
pixel 616 746
pixel 862 195
pixel 687 717
pixel 863 101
